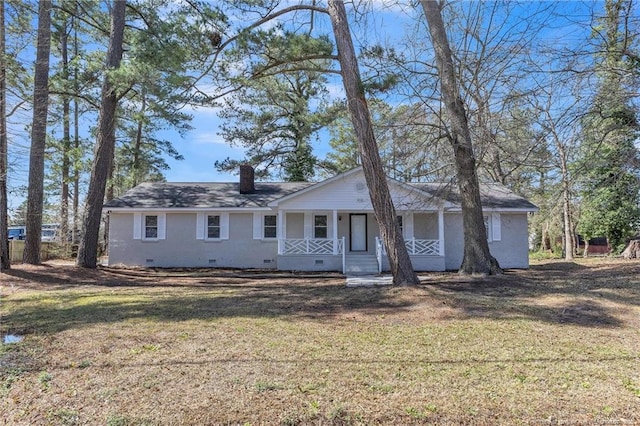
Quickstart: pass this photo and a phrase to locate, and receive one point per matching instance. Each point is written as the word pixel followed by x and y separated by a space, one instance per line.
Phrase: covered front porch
pixel 349 241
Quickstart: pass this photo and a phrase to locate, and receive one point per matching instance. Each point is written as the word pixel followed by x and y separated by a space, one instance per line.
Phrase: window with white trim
pixel 320 226
pixel 270 227
pixel 400 224
pixel 213 226
pixel 150 226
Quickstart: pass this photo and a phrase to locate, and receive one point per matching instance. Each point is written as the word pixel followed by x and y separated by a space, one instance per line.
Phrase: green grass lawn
pixel 559 343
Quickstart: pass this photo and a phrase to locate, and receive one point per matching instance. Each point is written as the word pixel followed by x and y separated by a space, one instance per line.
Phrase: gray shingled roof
pixel 492 195
pixel 160 195
pixel 156 195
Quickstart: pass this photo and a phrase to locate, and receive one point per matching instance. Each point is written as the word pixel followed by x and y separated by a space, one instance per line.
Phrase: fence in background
pixel 48 250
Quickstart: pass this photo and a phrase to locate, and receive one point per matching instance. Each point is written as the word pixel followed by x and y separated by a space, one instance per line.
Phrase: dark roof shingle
pixel 162 195
pixel 492 195
pixel 157 195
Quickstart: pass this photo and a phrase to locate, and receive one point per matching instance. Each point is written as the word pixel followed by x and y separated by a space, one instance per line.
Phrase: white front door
pixel 358 232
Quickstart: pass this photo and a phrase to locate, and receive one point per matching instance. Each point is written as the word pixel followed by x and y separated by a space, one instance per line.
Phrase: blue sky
pixel 202 146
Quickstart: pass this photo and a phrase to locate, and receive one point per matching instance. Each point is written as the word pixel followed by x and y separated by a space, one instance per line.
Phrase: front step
pixel 361 265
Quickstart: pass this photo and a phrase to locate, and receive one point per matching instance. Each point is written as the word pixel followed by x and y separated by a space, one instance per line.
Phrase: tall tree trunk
pixel 105 144
pixel 137 173
pixel 566 206
pixel 76 134
pixel 5 260
pixel 66 144
pixel 399 260
pixel 545 244
pixel 477 258
pixel 110 195
pixel 35 193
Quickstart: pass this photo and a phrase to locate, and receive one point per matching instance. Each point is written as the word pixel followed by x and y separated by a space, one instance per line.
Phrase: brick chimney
pixel 247 179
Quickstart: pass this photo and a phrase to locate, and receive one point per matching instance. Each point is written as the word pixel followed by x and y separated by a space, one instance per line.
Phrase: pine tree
pixel 610 165
pixel 271 114
pixel 5 261
pixel 38 136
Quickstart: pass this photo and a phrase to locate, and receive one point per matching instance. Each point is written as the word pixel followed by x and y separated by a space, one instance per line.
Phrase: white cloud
pixel 208 138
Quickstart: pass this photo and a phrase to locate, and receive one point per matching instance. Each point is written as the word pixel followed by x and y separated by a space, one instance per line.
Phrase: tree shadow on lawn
pixel 558 292
pixel 80 298
pixel 555 293
pixel 48 277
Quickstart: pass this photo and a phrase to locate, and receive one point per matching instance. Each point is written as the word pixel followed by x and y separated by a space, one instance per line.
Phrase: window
pixel 320 226
pixel 151 226
pixel 213 226
pixel 270 228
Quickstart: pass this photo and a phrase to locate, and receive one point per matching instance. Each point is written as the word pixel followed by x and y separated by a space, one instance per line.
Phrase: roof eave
pixel 182 209
pixel 501 209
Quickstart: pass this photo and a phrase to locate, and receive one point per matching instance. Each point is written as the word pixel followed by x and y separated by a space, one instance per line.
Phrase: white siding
pixel 511 249
pixel 182 249
pixel 295 225
pixel 350 193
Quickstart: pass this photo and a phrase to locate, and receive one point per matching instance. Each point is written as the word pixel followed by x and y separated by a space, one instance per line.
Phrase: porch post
pixel 441 231
pixel 335 232
pixel 281 231
pixel 308 225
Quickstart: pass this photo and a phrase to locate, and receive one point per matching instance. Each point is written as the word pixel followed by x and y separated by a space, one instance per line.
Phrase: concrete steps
pixel 361 264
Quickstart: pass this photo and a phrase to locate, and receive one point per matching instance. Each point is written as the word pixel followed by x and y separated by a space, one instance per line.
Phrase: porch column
pixel 281 232
pixel 441 230
pixel 335 231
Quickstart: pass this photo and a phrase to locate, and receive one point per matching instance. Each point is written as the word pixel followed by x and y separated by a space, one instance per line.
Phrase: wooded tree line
pixel 462 92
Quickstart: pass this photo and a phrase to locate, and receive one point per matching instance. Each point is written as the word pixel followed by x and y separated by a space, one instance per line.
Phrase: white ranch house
pixel 304 226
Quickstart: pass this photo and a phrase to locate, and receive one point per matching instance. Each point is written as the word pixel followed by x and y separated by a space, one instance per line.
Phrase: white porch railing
pixel 423 247
pixel 414 247
pixel 311 246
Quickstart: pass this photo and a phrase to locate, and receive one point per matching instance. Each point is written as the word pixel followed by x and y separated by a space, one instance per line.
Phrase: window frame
pixel 265 226
pixel 209 227
pixel 317 227
pixel 146 227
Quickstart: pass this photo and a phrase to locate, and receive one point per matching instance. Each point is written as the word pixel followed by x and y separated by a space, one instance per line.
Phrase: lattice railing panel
pixel 423 247
pixel 309 246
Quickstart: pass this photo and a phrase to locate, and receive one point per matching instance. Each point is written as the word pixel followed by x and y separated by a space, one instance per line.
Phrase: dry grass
pixel 558 344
